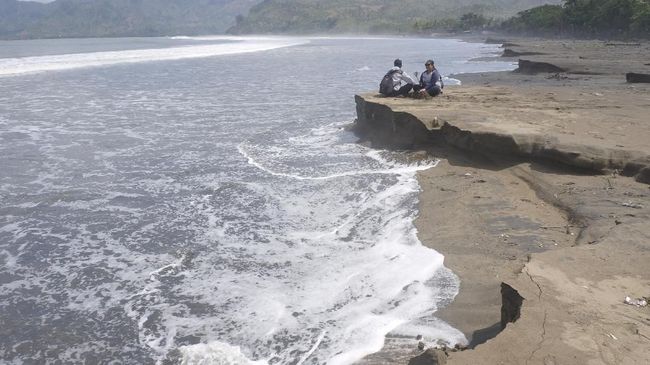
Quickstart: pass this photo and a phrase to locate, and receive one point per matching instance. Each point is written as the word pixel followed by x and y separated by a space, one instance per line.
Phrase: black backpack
pixel 386 86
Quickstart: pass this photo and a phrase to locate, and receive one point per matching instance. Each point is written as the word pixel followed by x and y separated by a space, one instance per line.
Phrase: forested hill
pixel 584 18
pixel 370 16
pixel 104 18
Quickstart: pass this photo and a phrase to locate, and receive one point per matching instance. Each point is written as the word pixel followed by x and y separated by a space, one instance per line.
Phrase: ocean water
pixel 200 201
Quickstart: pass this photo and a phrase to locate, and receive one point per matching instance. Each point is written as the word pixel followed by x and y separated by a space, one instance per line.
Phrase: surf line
pixel 38 64
pixel 313 348
pixel 394 171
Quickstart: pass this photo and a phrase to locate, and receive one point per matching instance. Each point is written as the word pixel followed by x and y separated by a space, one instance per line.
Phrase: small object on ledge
pixel 639 302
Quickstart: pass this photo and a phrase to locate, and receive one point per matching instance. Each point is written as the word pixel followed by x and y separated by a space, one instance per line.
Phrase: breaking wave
pixel 227 46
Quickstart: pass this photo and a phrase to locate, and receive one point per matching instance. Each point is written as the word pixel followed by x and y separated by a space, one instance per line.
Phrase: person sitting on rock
pixel 396 82
pixel 430 80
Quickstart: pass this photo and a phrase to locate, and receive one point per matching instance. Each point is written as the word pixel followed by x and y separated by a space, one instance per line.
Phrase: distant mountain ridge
pixel 114 18
pixel 367 16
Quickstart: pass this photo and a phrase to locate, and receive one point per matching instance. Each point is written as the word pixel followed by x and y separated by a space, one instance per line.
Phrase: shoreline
pixel 529 192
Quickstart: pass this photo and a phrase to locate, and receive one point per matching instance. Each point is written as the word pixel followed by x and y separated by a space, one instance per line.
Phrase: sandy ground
pixel 573 242
pixel 573 245
pixel 501 224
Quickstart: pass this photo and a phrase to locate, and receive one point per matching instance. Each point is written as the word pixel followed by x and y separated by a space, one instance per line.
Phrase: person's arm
pixel 442 84
pixel 407 78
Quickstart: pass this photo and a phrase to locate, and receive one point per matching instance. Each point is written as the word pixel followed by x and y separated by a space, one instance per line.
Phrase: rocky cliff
pixel 503 127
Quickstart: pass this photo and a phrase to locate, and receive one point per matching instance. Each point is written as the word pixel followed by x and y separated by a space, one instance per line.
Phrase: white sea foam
pixel 215 353
pixel 451 81
pixel 235 38
pixel 276 161
pixel 9 259
pixel 35 64
pixel 433 331
pixel 354 300
pixel 396 170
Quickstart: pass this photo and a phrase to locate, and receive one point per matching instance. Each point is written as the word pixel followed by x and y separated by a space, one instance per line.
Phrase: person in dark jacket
pixel 430 80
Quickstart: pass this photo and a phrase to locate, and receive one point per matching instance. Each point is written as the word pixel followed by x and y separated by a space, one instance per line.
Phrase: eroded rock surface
pixel 537 124
pixel 542 186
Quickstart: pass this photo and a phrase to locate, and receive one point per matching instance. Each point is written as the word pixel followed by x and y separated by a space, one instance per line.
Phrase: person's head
pixel 397 63
pixel 429 65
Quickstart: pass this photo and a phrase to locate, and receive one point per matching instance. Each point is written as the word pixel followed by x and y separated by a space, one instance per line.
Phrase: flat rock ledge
pixel 539 125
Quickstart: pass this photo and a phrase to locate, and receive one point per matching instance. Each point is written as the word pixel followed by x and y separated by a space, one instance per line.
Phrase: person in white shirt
pixel 402 82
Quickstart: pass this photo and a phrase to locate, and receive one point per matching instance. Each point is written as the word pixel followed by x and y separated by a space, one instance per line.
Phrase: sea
pixel 202 200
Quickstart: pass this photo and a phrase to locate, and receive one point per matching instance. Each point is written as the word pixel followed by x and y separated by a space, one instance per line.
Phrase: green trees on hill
pixel 114 18
pixel 102 18
pixel 466 22
pixel 377 16
pixel 585 18
pixel 543 19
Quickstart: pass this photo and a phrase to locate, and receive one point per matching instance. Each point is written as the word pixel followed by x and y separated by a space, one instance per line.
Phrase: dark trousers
pixel 404 90
pixel 434 90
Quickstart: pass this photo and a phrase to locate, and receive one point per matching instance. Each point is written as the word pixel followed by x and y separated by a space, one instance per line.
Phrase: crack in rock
pixel 543 336
pixel 539 296
pixel 539 345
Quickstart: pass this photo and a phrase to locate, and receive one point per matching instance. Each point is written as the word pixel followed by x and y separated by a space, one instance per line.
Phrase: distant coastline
pixel 117 18
pixel 122 18
pixel 585 19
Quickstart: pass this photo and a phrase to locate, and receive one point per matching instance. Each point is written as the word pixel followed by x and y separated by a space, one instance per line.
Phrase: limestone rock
pixel 430 357
pixel 534 67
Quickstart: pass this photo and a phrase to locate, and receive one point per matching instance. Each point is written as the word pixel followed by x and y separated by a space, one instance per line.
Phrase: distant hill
pixel 369 16
pixel 112 18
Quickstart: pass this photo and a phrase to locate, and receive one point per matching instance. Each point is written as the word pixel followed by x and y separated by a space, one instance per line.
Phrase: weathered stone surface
pixel 491 121
pixel 589 246
pixel 535 67
pixel 430 357
pixel 385 127
pixel 565 291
